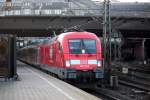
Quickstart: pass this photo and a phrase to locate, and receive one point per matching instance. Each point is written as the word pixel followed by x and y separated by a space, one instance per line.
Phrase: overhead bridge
pixel 135 10
pixel 26 17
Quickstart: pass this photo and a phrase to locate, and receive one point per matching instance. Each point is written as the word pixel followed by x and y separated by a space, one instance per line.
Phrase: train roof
pixel 63 35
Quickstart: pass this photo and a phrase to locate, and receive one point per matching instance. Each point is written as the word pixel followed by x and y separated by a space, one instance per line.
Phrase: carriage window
pixel 86 45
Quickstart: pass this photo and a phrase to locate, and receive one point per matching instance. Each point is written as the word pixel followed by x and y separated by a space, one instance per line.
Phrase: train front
pixel 83 56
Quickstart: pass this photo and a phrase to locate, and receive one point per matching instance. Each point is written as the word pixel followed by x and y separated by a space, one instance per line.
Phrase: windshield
pixel 82 46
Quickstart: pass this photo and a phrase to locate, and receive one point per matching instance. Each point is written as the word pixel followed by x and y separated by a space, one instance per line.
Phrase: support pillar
pixel 140 50
pixel 12 56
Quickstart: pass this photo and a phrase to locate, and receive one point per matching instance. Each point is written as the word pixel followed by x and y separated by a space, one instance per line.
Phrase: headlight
pixel 99 63
pixel 67 63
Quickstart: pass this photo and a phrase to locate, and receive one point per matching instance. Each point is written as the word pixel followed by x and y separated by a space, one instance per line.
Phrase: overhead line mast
pixel 107 32
pixel 107 37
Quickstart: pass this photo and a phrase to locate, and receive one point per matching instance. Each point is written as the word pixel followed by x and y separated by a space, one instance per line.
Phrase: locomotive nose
pixel 83 62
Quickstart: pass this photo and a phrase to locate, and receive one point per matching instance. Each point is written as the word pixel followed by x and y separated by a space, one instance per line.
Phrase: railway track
pixel 110 94
pixel 139 73
pixel 145 68
pixel 101 94
pixel 139 83
pixel 135 85
pixel 142 69
pixel 120 93
pixel 137 91
pixel 124 92
pixel 137 79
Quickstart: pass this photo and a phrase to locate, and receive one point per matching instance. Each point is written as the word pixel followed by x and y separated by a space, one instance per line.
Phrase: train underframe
pixel 73 74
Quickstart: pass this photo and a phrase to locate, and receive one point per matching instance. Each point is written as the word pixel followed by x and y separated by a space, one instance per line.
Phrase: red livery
pixel 69 55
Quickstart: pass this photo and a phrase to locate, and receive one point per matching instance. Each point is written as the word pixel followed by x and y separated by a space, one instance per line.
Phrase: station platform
pixel 36 85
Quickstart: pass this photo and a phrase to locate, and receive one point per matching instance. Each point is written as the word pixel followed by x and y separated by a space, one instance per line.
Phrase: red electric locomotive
pixel 71 55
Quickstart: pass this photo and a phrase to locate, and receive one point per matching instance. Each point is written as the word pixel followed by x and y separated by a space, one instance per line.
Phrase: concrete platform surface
pixel 36 85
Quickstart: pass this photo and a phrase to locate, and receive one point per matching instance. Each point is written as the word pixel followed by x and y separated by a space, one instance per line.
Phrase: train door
pixel 54 53
pixel 48 54
pixel 42 53
pixel 38 55
pixel 58 54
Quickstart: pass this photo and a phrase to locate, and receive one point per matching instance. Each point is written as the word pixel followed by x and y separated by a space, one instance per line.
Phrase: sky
pixel 127 0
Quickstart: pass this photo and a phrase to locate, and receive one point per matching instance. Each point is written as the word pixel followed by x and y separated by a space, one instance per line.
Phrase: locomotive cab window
pixel 82 46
